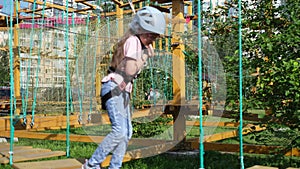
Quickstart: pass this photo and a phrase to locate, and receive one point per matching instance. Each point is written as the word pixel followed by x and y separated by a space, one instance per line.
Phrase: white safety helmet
pixel 148 19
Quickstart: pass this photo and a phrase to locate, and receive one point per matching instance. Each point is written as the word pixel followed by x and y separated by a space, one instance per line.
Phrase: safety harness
pixel 122 79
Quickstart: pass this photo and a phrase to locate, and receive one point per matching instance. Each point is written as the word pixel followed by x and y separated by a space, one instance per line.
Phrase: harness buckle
pixel 119 79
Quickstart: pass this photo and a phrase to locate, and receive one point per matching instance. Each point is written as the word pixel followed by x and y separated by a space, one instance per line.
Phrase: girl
pixel 129 57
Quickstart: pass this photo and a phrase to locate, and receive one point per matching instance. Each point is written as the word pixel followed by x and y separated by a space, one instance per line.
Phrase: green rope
pixel 70 91
pixel 68 80
pixel 241 87
pixel 20 60
pixel 85 57
pixel 201 147
pixel 165 58
pixel 134 96
pixel 11 60
pixel 108 32
pixel 170 95
pixel 188 89
pixel 32 32
pixel 77 74
pixel 152 80
pixel 94 66
pixel 38 66
pixel 56 36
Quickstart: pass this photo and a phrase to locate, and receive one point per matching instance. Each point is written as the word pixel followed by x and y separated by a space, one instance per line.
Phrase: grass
pixel 212 160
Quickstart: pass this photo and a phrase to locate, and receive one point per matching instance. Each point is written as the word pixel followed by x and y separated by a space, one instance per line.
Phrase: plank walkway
pixel 261 167
pixel 26 153
pixel 53 164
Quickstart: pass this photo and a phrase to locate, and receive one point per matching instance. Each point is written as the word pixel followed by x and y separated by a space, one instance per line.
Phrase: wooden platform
pixel 261 167
pixel 55 164
pixel 26 153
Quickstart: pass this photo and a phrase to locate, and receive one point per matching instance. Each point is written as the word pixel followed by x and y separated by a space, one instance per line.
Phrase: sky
pixel 7 6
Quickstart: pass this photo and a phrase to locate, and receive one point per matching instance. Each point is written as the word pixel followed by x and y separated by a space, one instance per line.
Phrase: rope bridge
pixel 62 59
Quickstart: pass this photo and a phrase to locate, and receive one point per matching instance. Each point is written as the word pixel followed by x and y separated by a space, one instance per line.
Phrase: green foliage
pixel 275 51
pixel 270 42
pixel 154 77
pixel 144 128
pixel 4 68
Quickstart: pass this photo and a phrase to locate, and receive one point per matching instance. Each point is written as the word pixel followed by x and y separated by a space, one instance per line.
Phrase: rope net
pixel 52 51
pixel 42 48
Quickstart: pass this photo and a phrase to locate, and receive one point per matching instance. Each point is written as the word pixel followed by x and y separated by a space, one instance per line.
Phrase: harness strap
pixel 114 92
pixel 121 79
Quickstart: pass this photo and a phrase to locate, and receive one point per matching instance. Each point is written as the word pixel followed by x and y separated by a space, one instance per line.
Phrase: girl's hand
pixel 150 51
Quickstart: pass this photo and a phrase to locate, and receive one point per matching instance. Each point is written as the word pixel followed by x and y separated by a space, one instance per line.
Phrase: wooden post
pixel 190 13
pixel 16 62
pixel 178 68
pixel 98 87
pixel 120 22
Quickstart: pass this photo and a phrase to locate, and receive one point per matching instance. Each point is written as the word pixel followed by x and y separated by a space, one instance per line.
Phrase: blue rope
pixel 201 147
pixel 85 58
pixel 77 74
pixel 94 66
pixel 241 87
pixel 11 65
pixel 68 81
pixel 32 32
pixel 38 67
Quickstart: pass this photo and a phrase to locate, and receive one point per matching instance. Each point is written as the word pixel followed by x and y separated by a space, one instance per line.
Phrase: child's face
pixel 148 38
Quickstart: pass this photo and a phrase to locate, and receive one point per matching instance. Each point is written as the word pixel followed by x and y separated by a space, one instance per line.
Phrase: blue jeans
pixel 117 140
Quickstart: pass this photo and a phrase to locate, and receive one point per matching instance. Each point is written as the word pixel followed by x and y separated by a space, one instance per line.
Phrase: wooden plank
pixel 212 124
pixel 2 145
pixel 247 148
pixel 261 167
pixel 43 122
pixel 4 149
pixel 4 160
pixel 41 155
pixel 34 156
pixel 55 164
pixel 26 151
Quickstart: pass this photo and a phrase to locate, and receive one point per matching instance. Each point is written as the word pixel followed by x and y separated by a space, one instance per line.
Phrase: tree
pixel 271 39
pixel 273 44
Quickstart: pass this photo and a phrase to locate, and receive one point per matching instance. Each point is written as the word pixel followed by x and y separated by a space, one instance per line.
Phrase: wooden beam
pixel 133 2
pixel 31 11
pixel 118 2
pixel 87 4
pixel 60 7
pixel 255 149
pixel 213 124
pixel 229 134
pixel 144 152
pixel 247 148
pixel 4 28
pixel 79 138
pixel 50 5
